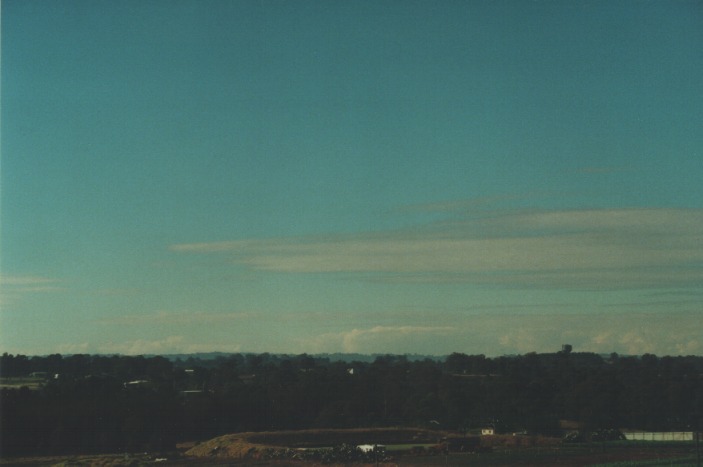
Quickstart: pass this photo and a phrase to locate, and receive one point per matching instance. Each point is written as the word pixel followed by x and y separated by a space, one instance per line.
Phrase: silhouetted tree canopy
pixel 97 403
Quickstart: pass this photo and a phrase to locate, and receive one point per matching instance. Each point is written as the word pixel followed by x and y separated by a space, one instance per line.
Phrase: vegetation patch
pixel 91 405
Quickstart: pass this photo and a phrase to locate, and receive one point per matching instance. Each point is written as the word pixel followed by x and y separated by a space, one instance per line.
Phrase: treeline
pixel 92 403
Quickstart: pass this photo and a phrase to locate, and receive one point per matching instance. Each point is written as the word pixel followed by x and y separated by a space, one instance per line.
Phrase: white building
pixel 370 447
pixel 659 436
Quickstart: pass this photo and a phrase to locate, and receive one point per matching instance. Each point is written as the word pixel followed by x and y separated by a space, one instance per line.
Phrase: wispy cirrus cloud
pixel 613 248
pixel 29 283
pixel 14 287
pixel 175 318
pixel 166 345
pixel 158 346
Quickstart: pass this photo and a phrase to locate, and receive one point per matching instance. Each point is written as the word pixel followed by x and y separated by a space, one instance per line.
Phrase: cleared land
pixel 277 448
pixel 495 450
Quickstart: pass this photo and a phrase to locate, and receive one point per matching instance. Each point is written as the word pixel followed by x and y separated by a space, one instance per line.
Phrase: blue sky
pixel 368 176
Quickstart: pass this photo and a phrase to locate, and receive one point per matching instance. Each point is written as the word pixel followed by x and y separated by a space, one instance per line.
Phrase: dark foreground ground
pixel 404 447
pixel 683 454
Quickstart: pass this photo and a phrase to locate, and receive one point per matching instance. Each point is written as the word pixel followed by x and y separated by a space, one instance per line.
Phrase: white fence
pixel 660 436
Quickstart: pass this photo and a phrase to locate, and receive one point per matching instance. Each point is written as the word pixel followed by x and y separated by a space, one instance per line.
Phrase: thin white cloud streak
pixel 14 288
pixel 25 280
pixel 619 248
pixel 163 318
pixel 28 283
pixel 167 345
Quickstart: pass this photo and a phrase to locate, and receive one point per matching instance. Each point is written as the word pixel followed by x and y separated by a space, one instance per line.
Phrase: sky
pixel 368 176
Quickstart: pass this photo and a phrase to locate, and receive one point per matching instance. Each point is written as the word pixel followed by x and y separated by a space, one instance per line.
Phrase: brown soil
pixel 248 445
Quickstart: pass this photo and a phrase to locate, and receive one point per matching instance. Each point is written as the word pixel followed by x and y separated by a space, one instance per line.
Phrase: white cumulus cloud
pixel 379 339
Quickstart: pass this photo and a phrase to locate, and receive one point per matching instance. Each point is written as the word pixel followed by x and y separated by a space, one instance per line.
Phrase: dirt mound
pixel 235 446
pixel 251 445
